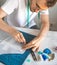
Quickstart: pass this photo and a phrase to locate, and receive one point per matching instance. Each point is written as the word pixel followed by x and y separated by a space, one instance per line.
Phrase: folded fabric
pixel 17 59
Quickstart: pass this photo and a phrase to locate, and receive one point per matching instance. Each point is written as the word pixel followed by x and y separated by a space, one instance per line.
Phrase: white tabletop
pixel 50 41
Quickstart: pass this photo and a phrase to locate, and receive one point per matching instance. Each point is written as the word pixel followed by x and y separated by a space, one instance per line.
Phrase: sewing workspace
pixel 28 32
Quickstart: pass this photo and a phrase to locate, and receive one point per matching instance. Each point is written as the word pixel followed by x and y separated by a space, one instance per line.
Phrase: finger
pixel 28 46
pixel 23 39
pixel 37 49
pixel 18 38
pixel 34 48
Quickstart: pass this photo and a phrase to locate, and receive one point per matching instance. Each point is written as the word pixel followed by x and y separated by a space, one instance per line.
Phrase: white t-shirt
pixel 17 13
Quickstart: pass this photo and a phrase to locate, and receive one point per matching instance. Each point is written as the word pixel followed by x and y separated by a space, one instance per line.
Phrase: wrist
pixel 39 38
pixel 11 31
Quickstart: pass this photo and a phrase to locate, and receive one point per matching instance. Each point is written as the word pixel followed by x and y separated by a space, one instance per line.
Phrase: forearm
pixel 43 31
pixel 44 28
pixel 5 27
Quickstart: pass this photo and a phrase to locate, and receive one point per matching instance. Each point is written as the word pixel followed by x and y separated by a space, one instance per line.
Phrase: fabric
pixel 15 58
pixel 17 13
pixel 34 27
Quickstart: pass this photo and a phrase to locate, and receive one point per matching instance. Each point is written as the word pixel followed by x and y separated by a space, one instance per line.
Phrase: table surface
pixel 50 41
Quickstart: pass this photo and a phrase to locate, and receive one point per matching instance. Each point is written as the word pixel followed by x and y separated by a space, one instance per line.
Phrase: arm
pixel 5 27
pixel 44 27
pixel 34 44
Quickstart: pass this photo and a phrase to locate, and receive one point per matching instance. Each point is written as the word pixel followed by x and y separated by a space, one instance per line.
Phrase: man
pixel 18 13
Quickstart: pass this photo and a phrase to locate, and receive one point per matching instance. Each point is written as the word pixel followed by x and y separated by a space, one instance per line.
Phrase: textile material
pixel 16 59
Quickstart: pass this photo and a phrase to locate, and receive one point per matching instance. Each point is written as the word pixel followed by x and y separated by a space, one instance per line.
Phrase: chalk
pixel 28 60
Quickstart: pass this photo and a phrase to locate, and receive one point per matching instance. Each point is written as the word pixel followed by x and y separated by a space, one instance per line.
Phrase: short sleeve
pixel 9 6
pixel 44 12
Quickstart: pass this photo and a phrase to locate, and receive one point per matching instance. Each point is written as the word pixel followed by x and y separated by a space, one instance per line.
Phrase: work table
pixel 50 42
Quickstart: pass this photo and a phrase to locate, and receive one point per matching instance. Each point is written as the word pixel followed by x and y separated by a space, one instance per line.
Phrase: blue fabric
pixel 17 59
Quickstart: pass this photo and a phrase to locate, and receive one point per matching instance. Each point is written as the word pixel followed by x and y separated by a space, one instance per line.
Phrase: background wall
pixel 53 16
pixel 2 1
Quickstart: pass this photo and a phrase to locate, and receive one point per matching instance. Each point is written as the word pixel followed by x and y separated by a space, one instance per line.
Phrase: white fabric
pixel 17 13
pixel 9 6
pixel 45 12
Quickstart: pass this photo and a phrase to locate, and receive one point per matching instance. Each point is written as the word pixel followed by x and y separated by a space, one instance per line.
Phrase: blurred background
pixel 52 16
